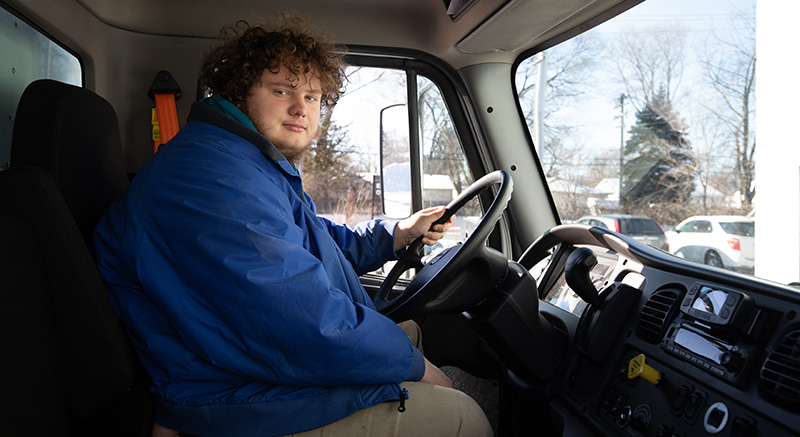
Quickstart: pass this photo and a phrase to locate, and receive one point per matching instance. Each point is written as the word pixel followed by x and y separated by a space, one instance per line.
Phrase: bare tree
pixel 569 68
pixel 328 169
pixel 730 70
pixel 715 167
pixel 651 63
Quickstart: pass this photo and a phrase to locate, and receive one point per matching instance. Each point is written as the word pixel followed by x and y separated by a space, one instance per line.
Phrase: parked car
pixel 723 241
pixel 641 228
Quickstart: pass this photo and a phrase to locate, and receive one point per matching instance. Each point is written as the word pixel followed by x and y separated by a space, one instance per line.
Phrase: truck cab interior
pixel 554 327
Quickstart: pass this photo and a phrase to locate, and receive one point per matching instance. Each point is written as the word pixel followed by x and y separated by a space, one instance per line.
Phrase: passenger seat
pixel 68 366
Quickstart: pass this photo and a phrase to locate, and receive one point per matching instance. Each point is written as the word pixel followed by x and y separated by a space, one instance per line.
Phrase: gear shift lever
pixel 576 272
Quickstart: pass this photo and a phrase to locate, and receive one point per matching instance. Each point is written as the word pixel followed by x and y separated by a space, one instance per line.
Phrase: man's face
pixel 286 110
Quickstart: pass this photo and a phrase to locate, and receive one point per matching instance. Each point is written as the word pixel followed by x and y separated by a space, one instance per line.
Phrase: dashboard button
pixel 716 418
pixel 681 397
pixel 664 430
pixel 608 400
pixel 696 401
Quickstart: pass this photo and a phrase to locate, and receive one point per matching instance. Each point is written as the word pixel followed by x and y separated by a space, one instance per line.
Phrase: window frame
pixel 456 100
pixel 462 113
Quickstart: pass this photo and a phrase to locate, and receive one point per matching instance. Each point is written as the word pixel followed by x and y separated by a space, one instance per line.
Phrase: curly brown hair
pixel 231 69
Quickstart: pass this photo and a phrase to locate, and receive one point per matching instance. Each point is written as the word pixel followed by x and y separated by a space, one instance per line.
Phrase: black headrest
pixel 73 134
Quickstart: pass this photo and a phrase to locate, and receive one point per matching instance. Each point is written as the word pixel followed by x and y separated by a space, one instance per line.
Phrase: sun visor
pixel 457 8
pixel 537 18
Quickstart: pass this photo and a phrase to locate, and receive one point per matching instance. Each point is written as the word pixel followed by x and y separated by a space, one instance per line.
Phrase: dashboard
pixel 665 348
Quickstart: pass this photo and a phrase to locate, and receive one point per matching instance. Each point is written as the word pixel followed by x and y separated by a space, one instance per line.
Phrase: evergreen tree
pixel 659 165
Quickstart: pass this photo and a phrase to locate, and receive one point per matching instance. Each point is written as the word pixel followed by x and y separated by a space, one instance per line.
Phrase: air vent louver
pixel 656 314
pixel 780 376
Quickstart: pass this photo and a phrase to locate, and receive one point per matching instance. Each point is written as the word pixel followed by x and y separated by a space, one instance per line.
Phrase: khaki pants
pixel 430 410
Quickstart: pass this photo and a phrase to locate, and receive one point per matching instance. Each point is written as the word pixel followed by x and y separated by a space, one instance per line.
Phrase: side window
pixel 351 181
pixel 341 172
pixel 28 55
pixel 688 227
pixel 635 227
pixel 445 170
pixel 704 226
pixel 598 223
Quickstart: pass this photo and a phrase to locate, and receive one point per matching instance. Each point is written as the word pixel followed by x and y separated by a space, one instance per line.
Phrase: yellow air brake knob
pixel 638 368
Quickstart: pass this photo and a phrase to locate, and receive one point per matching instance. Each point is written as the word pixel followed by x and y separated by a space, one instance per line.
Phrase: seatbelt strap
pixel 164 117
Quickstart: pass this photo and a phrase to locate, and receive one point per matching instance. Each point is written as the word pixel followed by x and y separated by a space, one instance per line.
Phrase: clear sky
pixel 695 14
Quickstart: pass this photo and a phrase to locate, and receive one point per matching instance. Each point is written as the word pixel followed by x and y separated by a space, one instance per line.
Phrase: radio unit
pixel 724 359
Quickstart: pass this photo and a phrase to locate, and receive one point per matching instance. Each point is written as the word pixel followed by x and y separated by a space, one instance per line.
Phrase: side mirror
pixel 395 161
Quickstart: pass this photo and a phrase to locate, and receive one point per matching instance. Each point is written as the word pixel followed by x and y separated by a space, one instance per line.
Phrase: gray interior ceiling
pixel 488 31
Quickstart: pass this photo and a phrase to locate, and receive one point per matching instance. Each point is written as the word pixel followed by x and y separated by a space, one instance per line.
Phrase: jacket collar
pixel 205 113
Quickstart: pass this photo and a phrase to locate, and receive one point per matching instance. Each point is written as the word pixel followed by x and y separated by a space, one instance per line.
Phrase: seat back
pixel 73 368
pixel 73 134
pixel 69 366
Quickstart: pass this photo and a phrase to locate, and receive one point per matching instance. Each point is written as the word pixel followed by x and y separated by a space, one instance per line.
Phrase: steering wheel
pixel 457 277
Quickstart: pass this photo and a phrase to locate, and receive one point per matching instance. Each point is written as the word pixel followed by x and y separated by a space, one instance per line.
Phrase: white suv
pixel 723 241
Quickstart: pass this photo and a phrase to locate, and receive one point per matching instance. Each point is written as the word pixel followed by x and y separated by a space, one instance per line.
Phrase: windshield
pixel 653 114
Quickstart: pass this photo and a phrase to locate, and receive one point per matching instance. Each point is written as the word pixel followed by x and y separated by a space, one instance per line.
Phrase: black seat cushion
pixel 62 342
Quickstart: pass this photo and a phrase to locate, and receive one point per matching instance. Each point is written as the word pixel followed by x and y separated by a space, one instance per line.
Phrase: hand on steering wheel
pixel 472 269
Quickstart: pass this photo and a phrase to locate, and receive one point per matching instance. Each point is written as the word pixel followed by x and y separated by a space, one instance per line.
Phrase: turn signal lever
pixel 576 272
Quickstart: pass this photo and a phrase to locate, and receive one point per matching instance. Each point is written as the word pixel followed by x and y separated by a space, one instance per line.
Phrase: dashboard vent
pixel 780 376
pixel 656 313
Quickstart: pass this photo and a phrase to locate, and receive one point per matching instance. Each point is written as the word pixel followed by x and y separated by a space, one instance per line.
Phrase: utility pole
pixel 621 144
pixel 541 87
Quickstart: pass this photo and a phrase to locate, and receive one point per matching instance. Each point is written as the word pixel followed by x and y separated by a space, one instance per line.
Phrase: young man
pixel 244 306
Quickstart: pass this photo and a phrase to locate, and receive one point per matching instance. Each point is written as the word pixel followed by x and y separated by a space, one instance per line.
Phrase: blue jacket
pixel 244 306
